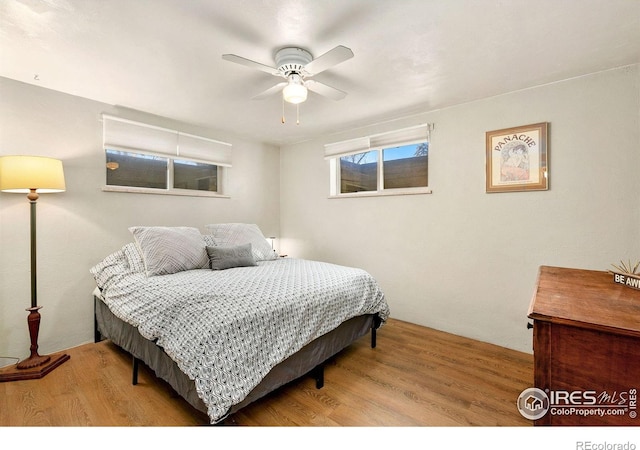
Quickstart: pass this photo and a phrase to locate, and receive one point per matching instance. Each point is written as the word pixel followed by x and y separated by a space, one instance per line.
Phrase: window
pixel 385 164
pixel 359 172
pixel 406 166
pixel 144 158
pixel 136 169
pixel 194 175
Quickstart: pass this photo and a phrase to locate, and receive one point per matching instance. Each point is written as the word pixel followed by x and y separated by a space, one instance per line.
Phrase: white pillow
pixel 234 234
pixel 134 257
pixel 167 250
pixel 110 269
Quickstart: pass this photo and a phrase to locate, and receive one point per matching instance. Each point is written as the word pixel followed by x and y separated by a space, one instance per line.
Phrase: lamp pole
pixel 33 320
pixel 33 198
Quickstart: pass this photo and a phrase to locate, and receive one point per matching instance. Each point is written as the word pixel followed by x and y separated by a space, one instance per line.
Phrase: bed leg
pixel 97 337
pixel 134 379
pixel 318 374
pixel 374 326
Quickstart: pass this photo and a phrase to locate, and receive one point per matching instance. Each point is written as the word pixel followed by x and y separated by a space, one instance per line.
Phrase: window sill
pixel 386 193
pixel 179 192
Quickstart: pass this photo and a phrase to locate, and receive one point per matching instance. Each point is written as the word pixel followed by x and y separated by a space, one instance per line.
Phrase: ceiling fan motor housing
pixel 292 60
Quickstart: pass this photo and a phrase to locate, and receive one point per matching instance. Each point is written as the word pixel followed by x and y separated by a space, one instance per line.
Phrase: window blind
pixel 126 134
pixel 418 133
pixel 196 147
pixel 344 148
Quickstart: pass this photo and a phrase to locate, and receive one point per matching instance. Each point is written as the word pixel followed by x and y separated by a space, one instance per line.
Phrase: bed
pixel 225 320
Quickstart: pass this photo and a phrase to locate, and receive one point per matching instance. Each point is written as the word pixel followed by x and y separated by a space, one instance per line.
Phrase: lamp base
pixel 30 371
pixel 33 361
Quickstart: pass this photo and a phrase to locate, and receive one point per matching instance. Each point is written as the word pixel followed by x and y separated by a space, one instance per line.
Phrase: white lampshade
pixel 20 174
pixel 294 92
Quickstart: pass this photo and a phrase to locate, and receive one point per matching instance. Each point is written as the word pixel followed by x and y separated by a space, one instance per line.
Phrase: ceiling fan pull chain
pixel 297 114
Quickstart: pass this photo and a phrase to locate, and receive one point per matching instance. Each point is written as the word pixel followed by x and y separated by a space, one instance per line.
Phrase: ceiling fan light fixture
pixel 295 92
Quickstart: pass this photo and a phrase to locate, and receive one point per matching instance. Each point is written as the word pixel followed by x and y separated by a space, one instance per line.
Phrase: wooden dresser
pixel 586 344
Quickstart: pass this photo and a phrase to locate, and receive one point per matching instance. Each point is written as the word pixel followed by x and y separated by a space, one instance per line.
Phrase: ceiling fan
pixel 297 66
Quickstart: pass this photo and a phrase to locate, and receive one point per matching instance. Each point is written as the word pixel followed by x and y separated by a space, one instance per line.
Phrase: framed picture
pixel 517 159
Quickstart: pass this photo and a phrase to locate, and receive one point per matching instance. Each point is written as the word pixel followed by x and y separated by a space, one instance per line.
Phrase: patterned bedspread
pixel 226 329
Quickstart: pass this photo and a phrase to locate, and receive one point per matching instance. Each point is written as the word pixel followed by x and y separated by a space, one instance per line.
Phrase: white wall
pixel 465 261
pixel 79 227
pixel 459 259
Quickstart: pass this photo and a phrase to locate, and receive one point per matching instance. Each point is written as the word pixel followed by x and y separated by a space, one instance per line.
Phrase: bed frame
pixel 309 360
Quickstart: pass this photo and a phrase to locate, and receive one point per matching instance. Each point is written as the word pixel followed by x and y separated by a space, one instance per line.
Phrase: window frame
pixel 169 190
pixel 170 151
pixel 336 181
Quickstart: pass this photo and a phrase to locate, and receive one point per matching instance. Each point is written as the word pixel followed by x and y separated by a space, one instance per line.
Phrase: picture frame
pixel 517 159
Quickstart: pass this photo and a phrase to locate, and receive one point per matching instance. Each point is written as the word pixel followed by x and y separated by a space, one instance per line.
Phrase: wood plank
pixel 416 376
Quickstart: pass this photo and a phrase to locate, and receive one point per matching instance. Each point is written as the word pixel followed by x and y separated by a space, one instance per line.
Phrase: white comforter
pixel 226 329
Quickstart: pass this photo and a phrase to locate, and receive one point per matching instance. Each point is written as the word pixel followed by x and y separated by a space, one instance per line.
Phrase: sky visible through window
pixel 405 151
pixel 390 154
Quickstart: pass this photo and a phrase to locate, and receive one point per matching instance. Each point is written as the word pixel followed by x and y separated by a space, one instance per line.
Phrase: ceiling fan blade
pixel 323 89
pixel 331 58
pixel 250 63
pixel 272 90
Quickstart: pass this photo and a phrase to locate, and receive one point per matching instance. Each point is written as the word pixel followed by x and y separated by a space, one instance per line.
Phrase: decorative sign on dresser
pixel 626 274
pixel 586 345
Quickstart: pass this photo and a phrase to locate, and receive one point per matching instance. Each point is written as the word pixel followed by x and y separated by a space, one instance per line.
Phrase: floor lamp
pixel 32 175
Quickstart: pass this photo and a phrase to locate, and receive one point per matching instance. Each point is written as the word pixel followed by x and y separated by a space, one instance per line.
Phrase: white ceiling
pixel 164 56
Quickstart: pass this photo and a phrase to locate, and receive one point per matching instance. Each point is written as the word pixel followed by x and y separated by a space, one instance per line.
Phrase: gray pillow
pixel 227 257
pixel 167 250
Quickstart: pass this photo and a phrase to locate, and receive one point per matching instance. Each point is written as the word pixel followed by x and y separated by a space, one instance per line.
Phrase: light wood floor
pixel 415 377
